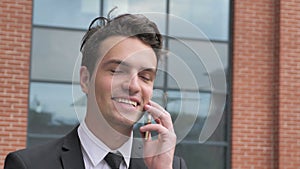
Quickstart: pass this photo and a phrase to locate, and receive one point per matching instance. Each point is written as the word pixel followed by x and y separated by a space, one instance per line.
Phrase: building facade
pixel 258 43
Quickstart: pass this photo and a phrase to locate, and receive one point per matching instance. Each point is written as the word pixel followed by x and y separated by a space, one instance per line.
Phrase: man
pixel 119 65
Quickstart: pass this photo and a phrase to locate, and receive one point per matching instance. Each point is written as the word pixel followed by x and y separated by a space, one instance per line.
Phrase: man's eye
pixel 145 78
pixel 116 71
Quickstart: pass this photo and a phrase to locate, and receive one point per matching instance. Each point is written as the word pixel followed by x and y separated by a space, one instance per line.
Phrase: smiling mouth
pixel 126 101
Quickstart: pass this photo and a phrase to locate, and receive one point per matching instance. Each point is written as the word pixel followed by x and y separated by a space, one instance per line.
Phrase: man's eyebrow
pixel 153 70
pixel 116 62
pixel 123 63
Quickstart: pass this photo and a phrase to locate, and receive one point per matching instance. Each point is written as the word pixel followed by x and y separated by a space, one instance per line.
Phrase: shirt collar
pixel 96 150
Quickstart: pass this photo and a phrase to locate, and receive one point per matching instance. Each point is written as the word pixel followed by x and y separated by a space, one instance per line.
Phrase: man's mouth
pixel 126 101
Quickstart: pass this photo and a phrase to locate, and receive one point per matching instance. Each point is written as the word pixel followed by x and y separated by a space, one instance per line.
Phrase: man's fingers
pixel 154 104
pixel 165 142
pixel 154 127
pixel 160 115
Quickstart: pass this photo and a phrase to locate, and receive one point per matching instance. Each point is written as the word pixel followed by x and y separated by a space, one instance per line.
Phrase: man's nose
pixel 132 85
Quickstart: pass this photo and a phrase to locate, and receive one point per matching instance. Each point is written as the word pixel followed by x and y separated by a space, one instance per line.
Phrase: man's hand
pixel 159 153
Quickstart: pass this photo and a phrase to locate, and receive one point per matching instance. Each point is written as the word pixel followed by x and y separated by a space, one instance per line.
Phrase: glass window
pixel 135 6
pixel 51 115
pixel 190 63
pixel 220 134
pixel 159 79
pixel 188 110
pixel 65 13
pixel 54 53
pixel 202 156
pixel 210 16
pixel 153 9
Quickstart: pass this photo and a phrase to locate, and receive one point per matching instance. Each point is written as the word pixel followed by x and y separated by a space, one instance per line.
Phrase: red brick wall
pixel 266 84
pixel 15 37
pixel 289 89
pixel 254 96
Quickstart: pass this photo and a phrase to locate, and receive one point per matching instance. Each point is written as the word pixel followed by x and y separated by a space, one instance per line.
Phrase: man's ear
pixel 84 79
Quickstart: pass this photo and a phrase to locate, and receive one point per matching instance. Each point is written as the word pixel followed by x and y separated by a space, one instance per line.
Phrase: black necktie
pixel 113 160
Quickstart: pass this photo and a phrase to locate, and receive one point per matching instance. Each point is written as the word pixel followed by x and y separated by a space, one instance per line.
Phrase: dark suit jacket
pixel 64 153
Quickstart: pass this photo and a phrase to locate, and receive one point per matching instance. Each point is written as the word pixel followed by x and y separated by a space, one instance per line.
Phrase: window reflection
pixel 54 53
pixel 186 63
pixel 135 6
pixel 53 100
pixel 65 13
pixel 51 110
pixel 211 17
pixel 193 108
pixel 202 156
pixel 146 7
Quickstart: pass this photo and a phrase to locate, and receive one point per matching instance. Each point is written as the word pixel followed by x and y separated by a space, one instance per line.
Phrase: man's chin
pixel 132 119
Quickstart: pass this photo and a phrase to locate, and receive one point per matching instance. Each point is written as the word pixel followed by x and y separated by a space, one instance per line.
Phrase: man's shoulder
pixel 35 155
pixel 47 153
pixel 179 163
pixel 41 149
pixel 49 147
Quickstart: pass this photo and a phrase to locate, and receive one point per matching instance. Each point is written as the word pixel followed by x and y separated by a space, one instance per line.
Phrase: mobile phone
pixel 148 120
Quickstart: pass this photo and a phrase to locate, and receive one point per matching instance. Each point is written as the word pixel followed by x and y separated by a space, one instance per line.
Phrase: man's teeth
pixel 120 100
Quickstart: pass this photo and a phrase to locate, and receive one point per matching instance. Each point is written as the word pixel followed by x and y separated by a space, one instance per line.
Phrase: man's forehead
pixel 125 48
pixel 109 42
pixel 114 41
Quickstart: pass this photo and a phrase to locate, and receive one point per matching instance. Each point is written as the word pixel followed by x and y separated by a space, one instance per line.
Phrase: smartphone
pixel 147 120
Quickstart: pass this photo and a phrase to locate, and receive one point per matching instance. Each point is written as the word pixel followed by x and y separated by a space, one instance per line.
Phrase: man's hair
pixel 127 25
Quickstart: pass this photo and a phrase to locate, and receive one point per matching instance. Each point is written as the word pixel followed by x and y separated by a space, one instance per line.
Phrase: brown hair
pixel 128 25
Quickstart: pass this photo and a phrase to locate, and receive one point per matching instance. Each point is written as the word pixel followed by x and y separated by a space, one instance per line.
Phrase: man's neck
pixel 111 137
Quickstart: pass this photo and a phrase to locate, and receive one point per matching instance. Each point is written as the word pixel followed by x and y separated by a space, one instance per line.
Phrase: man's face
pixel 124 79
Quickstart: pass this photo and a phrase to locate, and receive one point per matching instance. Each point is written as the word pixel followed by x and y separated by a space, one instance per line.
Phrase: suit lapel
pixel 71 155
pixel 137 161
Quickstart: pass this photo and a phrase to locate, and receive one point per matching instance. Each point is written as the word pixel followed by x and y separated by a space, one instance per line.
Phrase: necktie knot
pixel 113 160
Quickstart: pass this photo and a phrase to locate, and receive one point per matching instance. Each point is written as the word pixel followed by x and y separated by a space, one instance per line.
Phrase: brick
pixel 266 79
pixel 14 69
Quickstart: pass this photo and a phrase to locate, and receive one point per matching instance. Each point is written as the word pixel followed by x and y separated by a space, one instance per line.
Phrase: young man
pixel 117 74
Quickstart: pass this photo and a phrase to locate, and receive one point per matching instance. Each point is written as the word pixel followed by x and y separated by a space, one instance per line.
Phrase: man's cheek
pixel 149 96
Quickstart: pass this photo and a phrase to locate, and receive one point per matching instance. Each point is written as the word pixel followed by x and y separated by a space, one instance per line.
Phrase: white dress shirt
pixel 94 150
